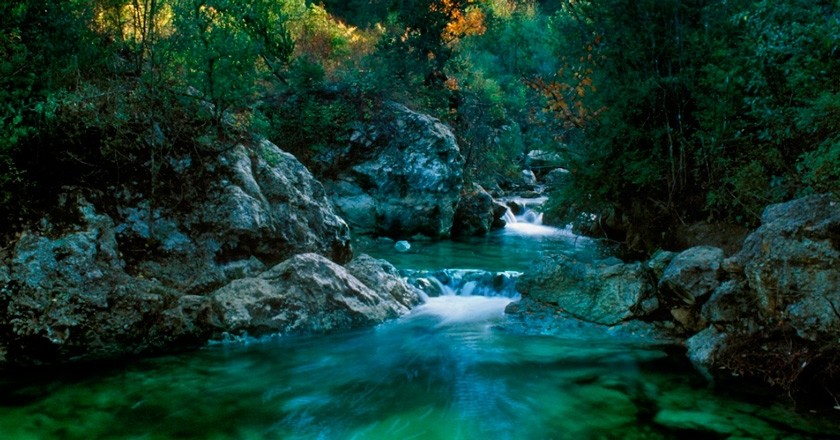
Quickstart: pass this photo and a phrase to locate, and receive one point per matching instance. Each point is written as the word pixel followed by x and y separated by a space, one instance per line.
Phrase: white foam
pixel 452 309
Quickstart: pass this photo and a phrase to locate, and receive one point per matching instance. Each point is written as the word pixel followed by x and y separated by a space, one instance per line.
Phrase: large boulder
pixel 382 276
pixel 792 263
pixel 254 207
pixel 775 316
pixel 83 284
pixel 407 179
pixel 477 214
pixel 268 204
pixel 67 297
pixel 692 274
pixel 305 294
pixel 604 292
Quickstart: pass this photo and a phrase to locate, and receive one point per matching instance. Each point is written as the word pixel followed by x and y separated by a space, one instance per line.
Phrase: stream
pixel 450 369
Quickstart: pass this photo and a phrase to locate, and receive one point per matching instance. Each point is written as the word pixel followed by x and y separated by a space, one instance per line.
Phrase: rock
pixel 270 206
pixel 732 302
pixel 516 207
pixel 688 318
pixel 83 286
pixel 430 287
pixel 258 202
pixel 543 159
pixel 467 282
pixel 408 179
pixel 402 246
pixel 528 316
pixel 693 274
pixel 702 348
pixel 659 262
pixel 475 214
pixel 68 298
pixel 792 263
pixel 527 178
pixel 557 178
pixel 726 236
pixel 603 294
pixel 699 422
pixel 499 212
pixel 305 294
pixel 382 276
pixel 530 194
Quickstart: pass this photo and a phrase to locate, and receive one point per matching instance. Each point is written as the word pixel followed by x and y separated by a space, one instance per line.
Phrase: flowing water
pixel 448 370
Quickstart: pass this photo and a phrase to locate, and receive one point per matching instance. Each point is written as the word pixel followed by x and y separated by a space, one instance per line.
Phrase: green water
pixel 510 249
pixel 444 372
pixel 451 369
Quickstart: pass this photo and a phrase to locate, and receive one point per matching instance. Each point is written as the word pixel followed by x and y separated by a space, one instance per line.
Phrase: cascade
pixel 463 295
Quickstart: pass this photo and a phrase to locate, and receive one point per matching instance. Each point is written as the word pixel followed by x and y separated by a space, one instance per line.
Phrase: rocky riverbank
pixel 769 312
pixel 258 250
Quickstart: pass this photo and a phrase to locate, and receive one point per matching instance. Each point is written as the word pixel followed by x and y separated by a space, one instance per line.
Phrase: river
pixel 451 369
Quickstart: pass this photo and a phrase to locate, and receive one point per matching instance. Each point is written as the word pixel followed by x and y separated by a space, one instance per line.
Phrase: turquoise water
pixel 445 372
pixel 510 249
pixel 451 369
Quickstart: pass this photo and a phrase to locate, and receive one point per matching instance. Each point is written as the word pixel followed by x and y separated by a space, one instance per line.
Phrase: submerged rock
pixel 408 179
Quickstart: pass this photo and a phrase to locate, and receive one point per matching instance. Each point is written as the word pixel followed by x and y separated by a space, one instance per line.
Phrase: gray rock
pixel 69 294
pixel 659 262
pixel 557 178
pixel 402 246
pixel 702 348
pixel 731 302
pixel 543 159
pixel 270 206
pixel 408 181
pixel 499 211
pixel 305 294
pixel 601 293
pixel 693 274
pixel 382 276
pixel 69 298
pixel 258 202
pixel 792 263
pixel 528 178
pixel 475 214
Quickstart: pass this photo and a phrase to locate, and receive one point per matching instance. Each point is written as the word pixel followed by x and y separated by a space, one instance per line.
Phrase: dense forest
pixel 665 112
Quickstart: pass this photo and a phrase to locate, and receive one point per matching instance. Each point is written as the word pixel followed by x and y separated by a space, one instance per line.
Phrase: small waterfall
pixel 463 296
pixel 465 282
pixel 509 217
pixel 529 222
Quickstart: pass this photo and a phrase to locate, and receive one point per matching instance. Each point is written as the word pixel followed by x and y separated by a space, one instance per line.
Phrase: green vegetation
pixel 705 110
pixel 665 112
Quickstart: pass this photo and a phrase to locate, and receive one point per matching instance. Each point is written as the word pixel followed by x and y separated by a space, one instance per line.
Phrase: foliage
pixel 664 111
pixel 696 109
